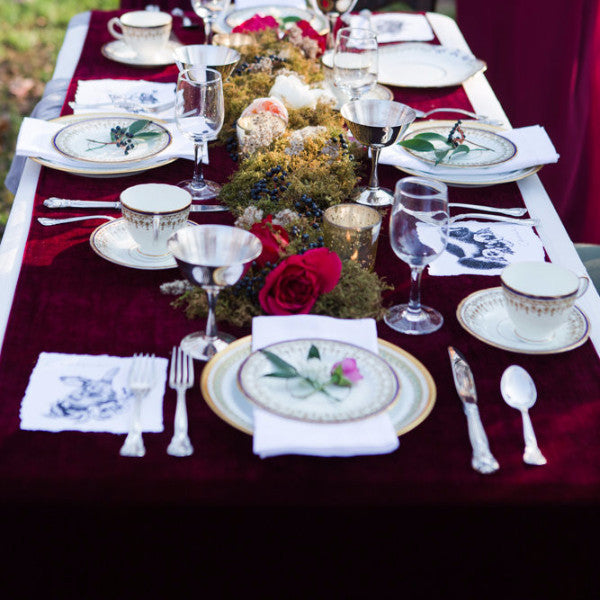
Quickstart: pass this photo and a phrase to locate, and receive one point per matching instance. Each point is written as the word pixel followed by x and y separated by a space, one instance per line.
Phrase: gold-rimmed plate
pixel 93 140
pixel 483 314
pixel 220 388
pixel 99 170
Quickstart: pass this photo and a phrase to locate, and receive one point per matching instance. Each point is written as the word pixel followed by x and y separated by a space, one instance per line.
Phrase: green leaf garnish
pixel 417 144
pixel 285 370
pixel 137 126
pixel 314 352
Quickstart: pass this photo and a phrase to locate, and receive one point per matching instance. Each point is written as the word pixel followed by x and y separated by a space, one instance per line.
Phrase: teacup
pixel 539 296
pixel 152 213
pixel 145 32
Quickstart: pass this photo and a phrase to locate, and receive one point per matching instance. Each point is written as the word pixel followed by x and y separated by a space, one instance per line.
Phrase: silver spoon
pixel 48 221
pixel 518 391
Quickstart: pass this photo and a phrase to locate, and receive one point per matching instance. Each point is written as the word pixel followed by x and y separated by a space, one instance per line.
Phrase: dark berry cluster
pixel 308 207
pixel 232 147
pixel 123 138
pixel 271 185
pixel 253 281
pixel 456 135
pixel 318 243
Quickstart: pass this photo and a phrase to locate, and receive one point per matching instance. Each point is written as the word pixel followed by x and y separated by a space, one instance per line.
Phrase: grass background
pixel 31 34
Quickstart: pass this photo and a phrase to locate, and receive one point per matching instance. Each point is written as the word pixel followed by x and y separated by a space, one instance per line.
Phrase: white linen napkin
pixel 392 27
pixel 75 392
pixel 480 248
pixel 123 95
pixel 275 435
pixel 36 135
pixel 534 147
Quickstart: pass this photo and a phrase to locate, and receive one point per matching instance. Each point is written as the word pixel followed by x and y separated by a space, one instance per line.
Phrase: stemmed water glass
pixel 418 234
pixel 355 61
pixel 213 257
pixel 332 9
pixel 199 114
pixel 208 10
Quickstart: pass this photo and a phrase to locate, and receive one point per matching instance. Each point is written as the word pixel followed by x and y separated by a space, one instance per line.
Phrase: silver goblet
pixel 220 58
pixel 213 257
pixel 377 124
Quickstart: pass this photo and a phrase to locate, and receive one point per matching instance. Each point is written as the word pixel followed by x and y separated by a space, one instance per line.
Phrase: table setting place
pixel 304 255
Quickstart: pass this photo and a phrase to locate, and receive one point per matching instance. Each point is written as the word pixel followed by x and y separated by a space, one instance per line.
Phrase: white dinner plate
pixel 227 21
pixel 220 388
pixel 101 170
pixel 293 399
pixel 112 242
pixel 120 52
pixel 425 65
pixel 90 140
pixel 483 314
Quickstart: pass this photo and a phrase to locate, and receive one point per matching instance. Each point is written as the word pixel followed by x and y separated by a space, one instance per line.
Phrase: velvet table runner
pixel 70 300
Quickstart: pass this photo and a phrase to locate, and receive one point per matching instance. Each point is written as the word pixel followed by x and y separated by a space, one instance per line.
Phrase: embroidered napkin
pixel 480 248
pixel 534 147
pixel 275 435
pixel 73 392
pixel 123 95
pixel 36 135
pixel 395 27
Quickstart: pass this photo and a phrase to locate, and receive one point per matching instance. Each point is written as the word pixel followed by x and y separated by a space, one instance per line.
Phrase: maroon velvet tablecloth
pixel 70 300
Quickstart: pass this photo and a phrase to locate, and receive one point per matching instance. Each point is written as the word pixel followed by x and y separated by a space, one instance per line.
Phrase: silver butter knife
pixel 63 203
pixel 483 461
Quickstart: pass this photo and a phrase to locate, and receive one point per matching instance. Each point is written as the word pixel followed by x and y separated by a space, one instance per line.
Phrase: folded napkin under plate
pixel 533 145
pixel 275 435
pixel 73 392
pixel 36 136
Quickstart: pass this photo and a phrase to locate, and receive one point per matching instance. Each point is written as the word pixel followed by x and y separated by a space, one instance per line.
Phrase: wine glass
pixel 376 123
pixel 418 234
pixel 199 114
pixel 208 11
pixel 332 9
pixel 213 257
pixel 355 61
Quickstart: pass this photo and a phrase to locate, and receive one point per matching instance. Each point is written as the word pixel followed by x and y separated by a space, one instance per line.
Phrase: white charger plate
pixel 220 388
pixel 422 65
pixel 483 314
pixel 84 140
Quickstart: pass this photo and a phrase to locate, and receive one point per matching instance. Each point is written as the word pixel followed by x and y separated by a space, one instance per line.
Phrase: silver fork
pixel 461 111
pixel 484 217
pixel 141 380
pixel 181 378
pixel 47 221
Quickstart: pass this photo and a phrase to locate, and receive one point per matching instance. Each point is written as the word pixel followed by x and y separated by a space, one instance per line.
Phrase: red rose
pixel 256 23
pixel 308 31
pixel 274 240
pixel 294 285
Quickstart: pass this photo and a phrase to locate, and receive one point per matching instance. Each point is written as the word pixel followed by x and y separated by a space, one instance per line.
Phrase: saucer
pixel 483 314
pixel 120 52
pixel 112 242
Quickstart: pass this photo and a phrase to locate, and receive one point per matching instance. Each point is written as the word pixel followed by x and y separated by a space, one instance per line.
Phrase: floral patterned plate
pixel 220 388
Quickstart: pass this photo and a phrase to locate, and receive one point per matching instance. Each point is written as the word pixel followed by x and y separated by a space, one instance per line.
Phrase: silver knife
pixel 483 461
pixel 63 203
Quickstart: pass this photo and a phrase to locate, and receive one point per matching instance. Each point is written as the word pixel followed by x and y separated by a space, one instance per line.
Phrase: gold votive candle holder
pixel 352 231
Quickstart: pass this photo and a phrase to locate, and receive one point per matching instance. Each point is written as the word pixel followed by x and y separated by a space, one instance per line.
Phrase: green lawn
pixel 31 33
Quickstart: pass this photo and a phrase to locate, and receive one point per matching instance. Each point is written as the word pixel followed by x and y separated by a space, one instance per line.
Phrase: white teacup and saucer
pixel 151 213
